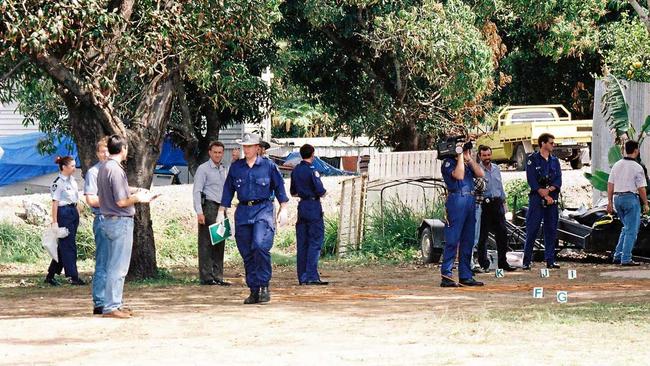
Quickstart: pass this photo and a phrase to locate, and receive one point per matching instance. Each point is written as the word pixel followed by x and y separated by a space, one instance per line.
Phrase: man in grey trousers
pixel 208 187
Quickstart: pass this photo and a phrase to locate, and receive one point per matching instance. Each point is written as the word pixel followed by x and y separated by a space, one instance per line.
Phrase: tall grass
pixel 331 237
pixel 20 243
pixel 392 234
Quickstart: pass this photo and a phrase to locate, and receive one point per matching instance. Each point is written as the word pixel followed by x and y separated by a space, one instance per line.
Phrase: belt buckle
pixel 487 200
pixel 249 203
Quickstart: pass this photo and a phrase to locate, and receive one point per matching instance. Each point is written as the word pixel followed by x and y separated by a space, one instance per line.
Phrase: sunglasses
pixel 551 142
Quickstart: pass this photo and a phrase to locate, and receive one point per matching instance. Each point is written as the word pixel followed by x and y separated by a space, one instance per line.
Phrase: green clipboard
pixel 219 232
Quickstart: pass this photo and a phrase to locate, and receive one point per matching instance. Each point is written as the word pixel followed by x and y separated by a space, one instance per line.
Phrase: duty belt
pixel 310 198
pixel 492 199
pixel 252 202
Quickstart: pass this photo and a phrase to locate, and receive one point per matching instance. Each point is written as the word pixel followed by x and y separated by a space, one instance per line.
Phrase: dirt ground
pixel 388 315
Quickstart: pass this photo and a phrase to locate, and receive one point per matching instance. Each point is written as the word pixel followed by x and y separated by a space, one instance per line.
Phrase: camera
pixel 545 182
pixel 448 148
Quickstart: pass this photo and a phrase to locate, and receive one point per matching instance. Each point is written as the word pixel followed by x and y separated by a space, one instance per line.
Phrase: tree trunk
pixel 407 138
pixel 145 142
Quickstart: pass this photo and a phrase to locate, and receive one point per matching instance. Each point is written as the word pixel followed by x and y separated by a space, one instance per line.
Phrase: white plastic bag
pixel 50 240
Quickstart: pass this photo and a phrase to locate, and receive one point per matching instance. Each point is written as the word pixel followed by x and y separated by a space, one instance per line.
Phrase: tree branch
pixel 642 12
pixel 13 70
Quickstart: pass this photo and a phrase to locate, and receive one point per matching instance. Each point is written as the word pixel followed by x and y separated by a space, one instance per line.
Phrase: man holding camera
pixel 493 212
pixel 544 176
pixel 459 173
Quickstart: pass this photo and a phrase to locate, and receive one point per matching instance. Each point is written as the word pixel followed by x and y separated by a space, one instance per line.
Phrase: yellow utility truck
pixel 514 135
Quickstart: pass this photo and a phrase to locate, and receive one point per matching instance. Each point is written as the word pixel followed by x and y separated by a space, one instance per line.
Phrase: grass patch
pixel 569 314
pixel 176 242
pixel 20 243
pixel 164 278
pixel 282 260
pixel 285 239
pixel 331 238
pixel 391 236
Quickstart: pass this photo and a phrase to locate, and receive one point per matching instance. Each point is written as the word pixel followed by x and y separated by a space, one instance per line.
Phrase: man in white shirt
pixel 625 185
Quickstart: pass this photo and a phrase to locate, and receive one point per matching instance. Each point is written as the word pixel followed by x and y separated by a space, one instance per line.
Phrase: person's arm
pixel 459 170
pixel 478 172
pixel 318 184
pixel 199 184
pixel 228 192
pixel 55 210
pixel 644 199
pixel 610 197
pixel 556 184
pixel 640 181
pixel 531 177
pixel 90 188
pixel 292 186
pixel 92 200
pixel 277 185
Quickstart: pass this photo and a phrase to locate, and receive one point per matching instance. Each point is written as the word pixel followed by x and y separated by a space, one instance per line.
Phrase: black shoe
pixel 265 295
pixel 471 282
pixel 222 283
pixel 253 298
pixel 77 282
pixel 52 281
pixel 448 283
pixel 616 261
pixel 508 268
pixel 316 283
pixel 98 310
pixel 209 283
pixel 631 264
pixel 552 266
pixel 526 267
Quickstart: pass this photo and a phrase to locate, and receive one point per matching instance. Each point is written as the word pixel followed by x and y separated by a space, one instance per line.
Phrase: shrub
pixel 517 192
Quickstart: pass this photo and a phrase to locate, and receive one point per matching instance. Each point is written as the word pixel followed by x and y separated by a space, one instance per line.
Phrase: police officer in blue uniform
pixel 254 178
pixel 459 174
pixel 65 194
pixel 544 176
pixel 310 227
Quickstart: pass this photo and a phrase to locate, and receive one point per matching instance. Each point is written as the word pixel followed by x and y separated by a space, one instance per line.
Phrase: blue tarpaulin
pixel 322 167
pixel 22 161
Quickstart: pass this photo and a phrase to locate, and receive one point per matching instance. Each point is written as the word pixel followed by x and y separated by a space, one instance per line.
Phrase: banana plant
pixel 616 112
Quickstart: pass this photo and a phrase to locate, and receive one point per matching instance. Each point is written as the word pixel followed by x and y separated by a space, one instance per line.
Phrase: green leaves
pixel 615 107
pixel 598 180
pixel 614 155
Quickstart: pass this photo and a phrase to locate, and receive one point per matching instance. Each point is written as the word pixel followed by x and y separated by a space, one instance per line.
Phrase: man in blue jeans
pixel 625 185
pixel 117 206
pixel 101 249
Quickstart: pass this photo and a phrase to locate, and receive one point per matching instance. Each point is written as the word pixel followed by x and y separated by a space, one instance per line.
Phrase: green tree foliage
pixel 398 71
pixel 116 66
pixel 627 49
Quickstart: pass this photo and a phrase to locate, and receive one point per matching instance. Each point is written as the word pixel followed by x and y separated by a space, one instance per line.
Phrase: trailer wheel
pixel 426 245
pixel 576 162
pixel 520 158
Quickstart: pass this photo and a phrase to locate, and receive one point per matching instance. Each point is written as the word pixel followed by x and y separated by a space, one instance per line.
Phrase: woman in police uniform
pixel 65 195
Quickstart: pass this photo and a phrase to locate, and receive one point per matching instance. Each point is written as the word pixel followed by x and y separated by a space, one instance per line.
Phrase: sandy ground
pixel 374 315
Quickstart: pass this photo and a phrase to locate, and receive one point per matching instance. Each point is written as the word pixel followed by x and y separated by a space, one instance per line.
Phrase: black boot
pixel 253 298
pixel 265 295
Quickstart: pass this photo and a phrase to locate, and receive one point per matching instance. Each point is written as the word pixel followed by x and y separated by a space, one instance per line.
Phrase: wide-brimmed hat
pixel 249 139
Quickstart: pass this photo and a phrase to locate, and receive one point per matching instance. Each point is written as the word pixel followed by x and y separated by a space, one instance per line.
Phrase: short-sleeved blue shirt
pixel 305 181
pixel 253 183
pixel 453 184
